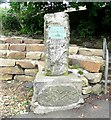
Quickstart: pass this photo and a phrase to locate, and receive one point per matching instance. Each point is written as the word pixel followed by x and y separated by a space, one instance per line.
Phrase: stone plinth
pixel 56 36
pixel 53 93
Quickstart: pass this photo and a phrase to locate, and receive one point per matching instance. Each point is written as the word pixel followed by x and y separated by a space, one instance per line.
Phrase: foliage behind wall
pixel 27 18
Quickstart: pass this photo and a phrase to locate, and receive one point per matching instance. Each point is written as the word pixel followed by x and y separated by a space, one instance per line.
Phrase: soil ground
pixel 16 97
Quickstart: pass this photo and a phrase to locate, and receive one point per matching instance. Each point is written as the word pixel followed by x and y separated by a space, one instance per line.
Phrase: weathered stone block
pixel 11 70
pixel 42 57
pixel 5 77
pixel 7 62
pixel 91 66
pixel 56 36
pixel 25 64
pixel 33 41
pixel 17 47
pixel 93 77
pixel 84 81
pixel 91 52
pixel 34 55
pixel 31 72
pixel 89 63
pixel 13 40
pixel 3 53
pixel 4 46
pixel 87 90
pixel 2 40
pixel 52 93
pixel 23 78
pixel 41 65
pixel 16 55
pixel 97 89
pixel 73 50
pixel 35 47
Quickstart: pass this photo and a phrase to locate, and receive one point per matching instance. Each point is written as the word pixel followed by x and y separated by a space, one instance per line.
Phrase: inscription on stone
pixel 58 96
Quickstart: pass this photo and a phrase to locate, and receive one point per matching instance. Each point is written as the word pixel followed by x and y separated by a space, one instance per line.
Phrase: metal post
pixel 104 48
pixel 106 69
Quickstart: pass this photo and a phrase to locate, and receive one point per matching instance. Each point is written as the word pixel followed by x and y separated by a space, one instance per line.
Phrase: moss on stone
pixel 80 72
pixel 48 73
pixel 66 73
pixel 74 66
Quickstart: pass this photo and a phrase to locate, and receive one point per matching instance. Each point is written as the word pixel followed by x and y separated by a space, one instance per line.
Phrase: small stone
pixel 11 70
pixel 31 72
pixel 97 89
pixel 33 41
pixel 23 78
pixel 86 96
pixel 3 53
pixel 73 50
pixel 35 47
pixel 13 40
pixel 17 47
pixel 6 104
pixel 84 81
pixel 93 77
pixel 42 57
pixel 87 90
pixel 34 55
pixel 4 46
pixel 16 55
pixel 7 62
pixel 25 64
pixel 5 77
pixel 41 65
pixel 91 52
pixel 9 81
pixel 28 84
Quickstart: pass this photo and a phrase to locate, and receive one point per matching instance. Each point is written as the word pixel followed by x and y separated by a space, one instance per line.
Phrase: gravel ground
pixel 15 97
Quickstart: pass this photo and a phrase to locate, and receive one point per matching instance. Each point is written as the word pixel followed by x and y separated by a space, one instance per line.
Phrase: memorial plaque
pixel 56 32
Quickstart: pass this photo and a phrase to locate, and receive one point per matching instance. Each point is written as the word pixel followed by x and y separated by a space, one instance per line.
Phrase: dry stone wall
pixel 21 59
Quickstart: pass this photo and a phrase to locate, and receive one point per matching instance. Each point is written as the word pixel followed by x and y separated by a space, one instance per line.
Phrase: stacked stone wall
pixel 22 58
pixel 19 58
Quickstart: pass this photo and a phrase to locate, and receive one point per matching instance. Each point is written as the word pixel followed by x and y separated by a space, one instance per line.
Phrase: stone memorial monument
pixel 55 88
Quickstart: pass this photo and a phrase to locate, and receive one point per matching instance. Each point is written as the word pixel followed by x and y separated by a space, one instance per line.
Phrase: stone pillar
pixel 54 88
pixel 56 36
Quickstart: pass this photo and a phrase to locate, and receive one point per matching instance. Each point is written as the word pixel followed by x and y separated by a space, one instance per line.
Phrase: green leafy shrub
pixel 86 29
pixel 107 21
pixel 10 22
pixel 74 66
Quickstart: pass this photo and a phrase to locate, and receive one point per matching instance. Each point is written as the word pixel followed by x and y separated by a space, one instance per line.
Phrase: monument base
pixel 53 93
